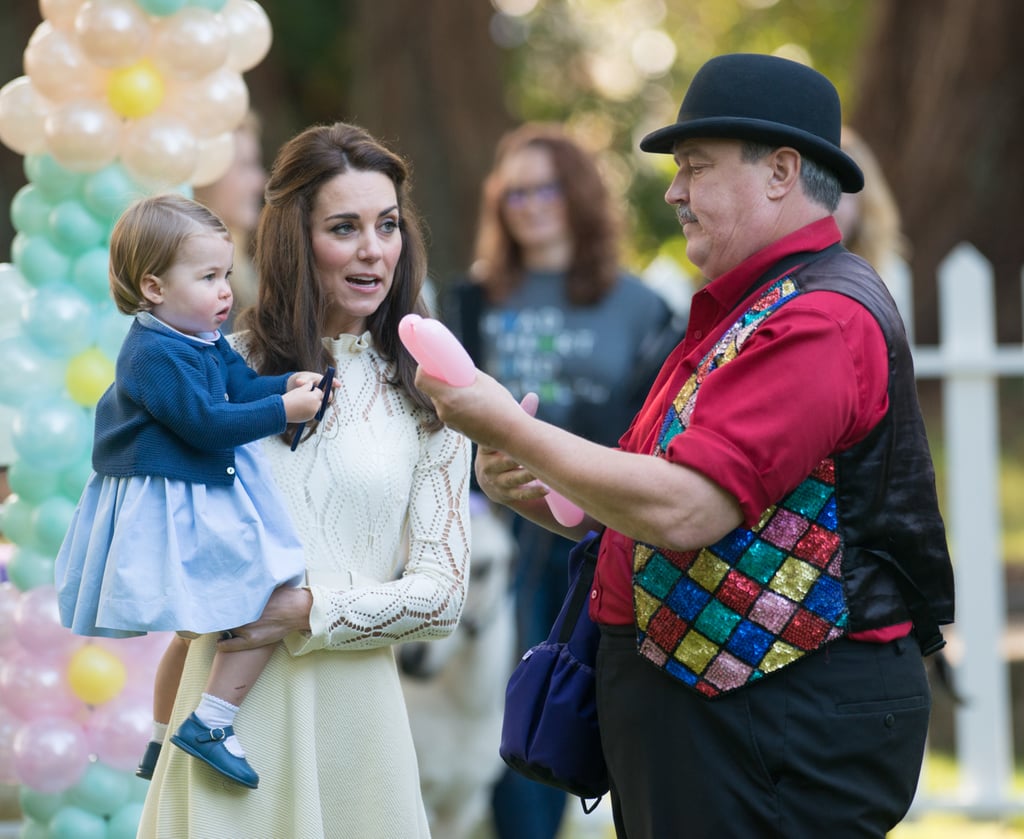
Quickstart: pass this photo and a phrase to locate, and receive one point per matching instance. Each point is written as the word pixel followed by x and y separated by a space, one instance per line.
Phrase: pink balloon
pixel 33 687
pixel 565 512
pixel 50 754
pixel 9 598
pixel 436 350
pixel 119 730
pixel 9 726
pixel 37 625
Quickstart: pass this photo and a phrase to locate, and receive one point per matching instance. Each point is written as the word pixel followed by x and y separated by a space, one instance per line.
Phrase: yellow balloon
pixel 95 675
pixel 135 91
pixel 88 375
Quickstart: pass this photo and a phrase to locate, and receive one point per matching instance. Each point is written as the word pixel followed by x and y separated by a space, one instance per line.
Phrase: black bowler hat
pixel 766 99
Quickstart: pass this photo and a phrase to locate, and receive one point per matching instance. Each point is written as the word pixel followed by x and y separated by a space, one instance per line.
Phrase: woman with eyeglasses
pixel 547 308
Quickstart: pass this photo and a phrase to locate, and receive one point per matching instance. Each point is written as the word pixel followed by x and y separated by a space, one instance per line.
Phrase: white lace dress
pixel 325 725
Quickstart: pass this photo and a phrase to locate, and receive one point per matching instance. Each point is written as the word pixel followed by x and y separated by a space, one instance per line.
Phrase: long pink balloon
pixel 565 512
pixel 436 350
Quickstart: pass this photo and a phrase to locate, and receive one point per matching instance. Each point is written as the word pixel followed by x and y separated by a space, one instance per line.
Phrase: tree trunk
pixel 941 101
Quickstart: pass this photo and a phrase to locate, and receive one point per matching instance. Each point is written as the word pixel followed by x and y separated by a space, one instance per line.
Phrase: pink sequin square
pixel 785 529
pixel 772 611
pixel 728 672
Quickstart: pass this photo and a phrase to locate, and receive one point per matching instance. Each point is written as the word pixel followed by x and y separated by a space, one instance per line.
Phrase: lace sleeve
pixel 426 601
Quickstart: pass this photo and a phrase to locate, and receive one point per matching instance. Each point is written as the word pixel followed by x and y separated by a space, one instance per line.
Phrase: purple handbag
pixel 549 732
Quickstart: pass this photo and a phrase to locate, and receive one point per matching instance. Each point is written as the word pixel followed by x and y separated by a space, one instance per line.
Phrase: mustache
pixel 685 214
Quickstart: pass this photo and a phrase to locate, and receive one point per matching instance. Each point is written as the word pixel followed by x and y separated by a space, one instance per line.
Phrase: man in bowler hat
pixel 773 566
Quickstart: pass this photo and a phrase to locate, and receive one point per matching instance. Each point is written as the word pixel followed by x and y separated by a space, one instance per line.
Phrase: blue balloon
pixel 51 432
pixel 89 274
pixel 39 260
pixel 56 182
pixel 109 191
pixel 74 229
pixel 60 320
pixel 30 210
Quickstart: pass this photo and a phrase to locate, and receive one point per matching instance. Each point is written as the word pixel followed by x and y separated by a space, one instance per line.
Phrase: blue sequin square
pixel 684 674
pixel 825 598
pixel 750 642
pixel 731 546
pixel 687 599
pixel 827 517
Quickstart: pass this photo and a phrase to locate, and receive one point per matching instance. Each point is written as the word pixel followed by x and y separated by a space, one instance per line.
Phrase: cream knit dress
pixel 325 726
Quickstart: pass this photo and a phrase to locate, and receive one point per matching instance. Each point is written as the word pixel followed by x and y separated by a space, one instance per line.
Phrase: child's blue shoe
pixel 208 745
pixel 148 763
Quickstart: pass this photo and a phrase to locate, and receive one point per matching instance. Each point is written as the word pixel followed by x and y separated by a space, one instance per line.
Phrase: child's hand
pixel 302 403
pixel 306 379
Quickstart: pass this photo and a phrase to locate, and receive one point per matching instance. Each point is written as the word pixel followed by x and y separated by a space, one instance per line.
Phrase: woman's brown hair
pixel 289 321
pixel 498 259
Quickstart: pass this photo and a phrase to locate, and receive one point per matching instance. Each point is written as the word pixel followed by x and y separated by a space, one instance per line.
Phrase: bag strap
pixel 586 555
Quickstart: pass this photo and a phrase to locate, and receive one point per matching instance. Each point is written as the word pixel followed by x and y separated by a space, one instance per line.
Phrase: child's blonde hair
pixel 147 239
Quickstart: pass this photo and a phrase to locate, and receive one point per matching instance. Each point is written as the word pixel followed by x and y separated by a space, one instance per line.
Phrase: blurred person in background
pixel 237 197
pixel 547 308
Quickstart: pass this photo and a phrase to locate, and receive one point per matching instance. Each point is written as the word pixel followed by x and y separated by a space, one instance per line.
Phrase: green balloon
pixel 50 522
pixel 102 790
pixel 41 806
pixel 124 824
pixel 74 229
pixel 29 569
pixel 31 829
pixel 109 191
pixel 30 210
pixel 32 484
pixel 162 8
pixel 76 823
pixel 39 260
pixel 56 182
pixel 89 274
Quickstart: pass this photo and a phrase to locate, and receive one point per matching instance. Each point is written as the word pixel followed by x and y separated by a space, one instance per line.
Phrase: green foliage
pixel 593 65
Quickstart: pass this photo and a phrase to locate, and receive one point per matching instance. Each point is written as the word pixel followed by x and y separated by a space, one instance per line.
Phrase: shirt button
pixel 890 720
pixel 227 398
pixel 593 594
pixel 698 334
pixel 231 470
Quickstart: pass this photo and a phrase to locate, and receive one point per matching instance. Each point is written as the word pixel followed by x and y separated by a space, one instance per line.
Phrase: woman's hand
pixel 287 611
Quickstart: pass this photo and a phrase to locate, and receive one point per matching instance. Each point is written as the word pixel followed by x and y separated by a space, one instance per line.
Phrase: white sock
pixel 159 732
pixel 214 712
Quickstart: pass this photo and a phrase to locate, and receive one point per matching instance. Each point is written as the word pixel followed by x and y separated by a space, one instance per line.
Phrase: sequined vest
pixel 858 545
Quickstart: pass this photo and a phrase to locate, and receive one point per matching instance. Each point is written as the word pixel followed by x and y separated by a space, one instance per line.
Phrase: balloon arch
pixel 120 99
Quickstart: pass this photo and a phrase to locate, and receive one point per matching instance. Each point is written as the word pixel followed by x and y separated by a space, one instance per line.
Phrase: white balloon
pixel 214 104
pixel 83 135
pixel 61 13
pixel 215 158
pixel 250 33
pixel 113 33
pixel 159 151
pixel 191 43
pixel 58 67
pixel 23 113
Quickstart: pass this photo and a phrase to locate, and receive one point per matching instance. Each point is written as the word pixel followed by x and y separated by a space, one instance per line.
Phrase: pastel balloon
pixel 16 521
pixel 9 725
pixel 9 597
pixel 37 625
pixel 30 484
pixel 30 211
pixel 33 687
pixel 73 228
pixel 190 44
pixel 28 569
pixel 112 33
pixel 437 350
pixel 61 13
pixel 125 822
pixel 73 477
pixel 111 327
pixel 95 675
pixel 23 112
pixel 90 276
pixel 31 829
pixel 41 806
pixel 76 823
pixel 82 135
pixel 22 365
pixel 89 374
pixel 212 105
pixel 109 191
pixel 15 292
pixel 215 158
pixel 50 521
pixel 59 319
pixel 51 432
pixel 159 151
pixel 162 8
pixel 249 33
pixel 212 5
pixel 136 90
pixel 57 66
pixel 103 790
pixel 56 181
pixel 39 259
pixel 119 729
pixel 565 512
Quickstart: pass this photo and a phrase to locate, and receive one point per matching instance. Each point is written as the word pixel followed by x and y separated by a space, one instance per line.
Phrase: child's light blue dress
pixel 149 553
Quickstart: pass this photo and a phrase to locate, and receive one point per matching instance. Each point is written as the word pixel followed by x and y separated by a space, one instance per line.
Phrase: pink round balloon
pixel 50 754
pixel 112 33
pixel 33 687
pixel 37 624
pixel 9 597
pixel 58 68
pixel 191 43
pixel 23 111
pixel 9 726
pixel 82 135
pixel 119 730
pixel 249 33
pixel 159 151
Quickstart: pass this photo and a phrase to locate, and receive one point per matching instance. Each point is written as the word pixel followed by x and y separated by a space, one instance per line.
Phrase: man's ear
pixel 152 289
pixel 785 171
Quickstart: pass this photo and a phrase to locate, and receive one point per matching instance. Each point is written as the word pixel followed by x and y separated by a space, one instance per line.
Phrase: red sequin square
pixel 806 630
pixel 817 546
pixel 738 591
pixel 666 628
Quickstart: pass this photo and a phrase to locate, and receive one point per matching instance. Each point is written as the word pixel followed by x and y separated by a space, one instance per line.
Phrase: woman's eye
pixel 389 225
pixel 342 229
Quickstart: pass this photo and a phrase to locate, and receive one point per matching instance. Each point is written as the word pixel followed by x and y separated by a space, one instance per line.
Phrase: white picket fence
pixel 970 364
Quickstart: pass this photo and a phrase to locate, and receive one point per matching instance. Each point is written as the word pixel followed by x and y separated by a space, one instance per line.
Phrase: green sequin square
pixel 761 561
pixel 717 621
pixel 808 499
pixel 658 576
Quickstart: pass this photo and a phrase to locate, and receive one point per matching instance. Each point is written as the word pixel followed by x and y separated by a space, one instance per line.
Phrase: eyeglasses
pixel 546 193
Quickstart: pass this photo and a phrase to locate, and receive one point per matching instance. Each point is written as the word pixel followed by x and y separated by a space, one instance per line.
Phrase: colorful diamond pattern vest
pixel 721 617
